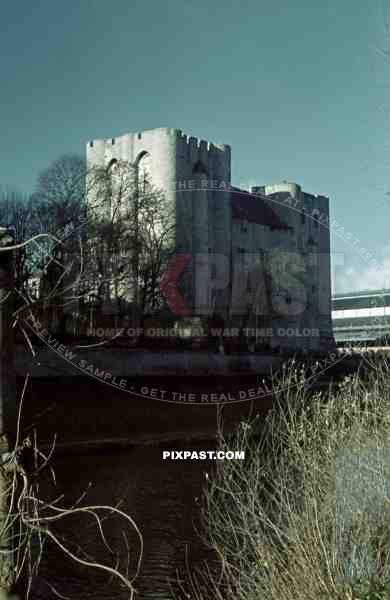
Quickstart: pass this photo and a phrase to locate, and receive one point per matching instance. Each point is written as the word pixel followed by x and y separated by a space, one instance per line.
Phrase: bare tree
pixel 59 207
pixel 16 212
pixel 155 240
pixel 60 192
pixel 115 234
pixel 130 234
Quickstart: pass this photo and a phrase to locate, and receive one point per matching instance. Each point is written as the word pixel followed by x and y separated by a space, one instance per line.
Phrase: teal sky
pixel 300 90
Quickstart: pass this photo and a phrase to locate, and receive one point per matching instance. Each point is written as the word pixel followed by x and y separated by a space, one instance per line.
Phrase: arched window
pixel 144 172
pixel 113 199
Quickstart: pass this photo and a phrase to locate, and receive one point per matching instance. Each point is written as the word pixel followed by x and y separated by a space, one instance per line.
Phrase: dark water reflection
pixel 163 497
pixel 111 444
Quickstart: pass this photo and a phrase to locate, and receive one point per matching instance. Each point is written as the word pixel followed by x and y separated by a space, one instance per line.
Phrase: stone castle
pixel 262 250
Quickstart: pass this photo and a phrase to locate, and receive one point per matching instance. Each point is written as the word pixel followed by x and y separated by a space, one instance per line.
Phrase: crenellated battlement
pixel 101 146
pixel 200 143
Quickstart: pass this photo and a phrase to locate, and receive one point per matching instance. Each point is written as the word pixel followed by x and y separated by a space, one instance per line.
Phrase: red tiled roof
pixel 253 208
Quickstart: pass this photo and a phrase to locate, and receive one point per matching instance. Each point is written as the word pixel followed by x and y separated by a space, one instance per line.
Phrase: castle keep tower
pixel 191 174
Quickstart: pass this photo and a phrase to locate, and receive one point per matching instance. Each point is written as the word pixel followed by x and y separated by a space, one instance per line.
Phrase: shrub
pixel 306 516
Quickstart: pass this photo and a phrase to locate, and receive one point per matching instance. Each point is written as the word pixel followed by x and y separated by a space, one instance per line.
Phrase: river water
pixel 110 445
pixel 162 496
